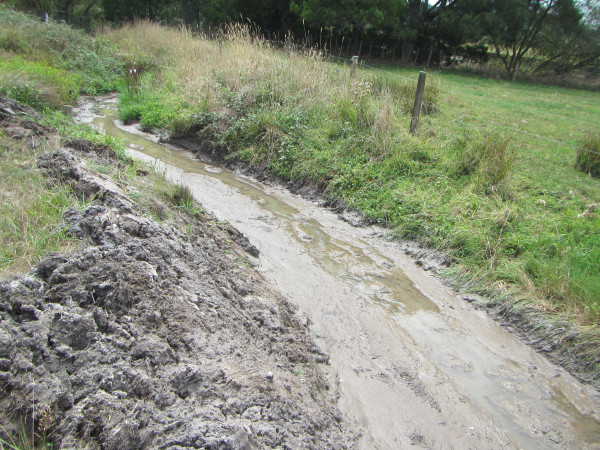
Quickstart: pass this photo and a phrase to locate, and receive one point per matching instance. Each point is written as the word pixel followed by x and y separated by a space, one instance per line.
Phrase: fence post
pixel 354 60
pixel 418 101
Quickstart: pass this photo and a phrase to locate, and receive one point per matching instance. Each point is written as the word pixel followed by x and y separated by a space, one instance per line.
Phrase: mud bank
pixel 154 335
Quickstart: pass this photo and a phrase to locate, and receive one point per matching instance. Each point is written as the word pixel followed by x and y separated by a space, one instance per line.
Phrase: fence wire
pixel 488 122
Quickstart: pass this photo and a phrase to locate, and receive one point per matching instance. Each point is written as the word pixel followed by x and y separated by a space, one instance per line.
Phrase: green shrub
pixel 588 157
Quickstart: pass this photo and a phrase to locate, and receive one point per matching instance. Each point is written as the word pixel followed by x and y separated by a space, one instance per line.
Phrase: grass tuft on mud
pixel 506 206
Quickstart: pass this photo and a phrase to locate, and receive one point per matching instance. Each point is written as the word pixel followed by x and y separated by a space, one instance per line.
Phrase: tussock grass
pixel 588 156
pixel 181 197
pixel 499 204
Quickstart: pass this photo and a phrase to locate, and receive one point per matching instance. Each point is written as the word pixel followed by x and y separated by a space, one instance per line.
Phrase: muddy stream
pixel 411 362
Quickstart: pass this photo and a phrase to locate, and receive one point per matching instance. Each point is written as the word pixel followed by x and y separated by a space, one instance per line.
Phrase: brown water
pixel 413 364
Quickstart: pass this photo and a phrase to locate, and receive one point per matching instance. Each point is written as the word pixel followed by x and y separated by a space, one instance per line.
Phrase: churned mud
pixel 153 335
pixel 411 362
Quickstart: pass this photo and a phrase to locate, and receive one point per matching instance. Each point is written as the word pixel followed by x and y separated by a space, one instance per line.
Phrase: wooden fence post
pixel 354 60
pixel 418 101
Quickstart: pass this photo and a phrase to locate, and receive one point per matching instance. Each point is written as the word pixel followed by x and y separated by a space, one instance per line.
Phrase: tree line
pixel 536 36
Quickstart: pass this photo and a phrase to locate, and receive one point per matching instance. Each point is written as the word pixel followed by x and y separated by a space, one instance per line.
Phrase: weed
pixel 488 158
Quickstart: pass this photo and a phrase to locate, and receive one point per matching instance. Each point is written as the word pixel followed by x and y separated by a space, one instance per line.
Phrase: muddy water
pixel 411 362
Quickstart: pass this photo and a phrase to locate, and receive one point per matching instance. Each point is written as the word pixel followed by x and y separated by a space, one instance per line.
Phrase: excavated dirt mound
pixel 154 337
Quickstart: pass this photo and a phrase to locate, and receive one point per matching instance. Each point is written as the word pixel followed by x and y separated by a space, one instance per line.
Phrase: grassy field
pixel 489 178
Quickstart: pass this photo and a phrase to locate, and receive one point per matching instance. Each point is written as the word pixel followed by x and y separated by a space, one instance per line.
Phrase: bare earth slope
pixel 147 337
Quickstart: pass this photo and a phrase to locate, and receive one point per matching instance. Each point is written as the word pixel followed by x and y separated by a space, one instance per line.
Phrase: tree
pixel 351 18
pixel 514 27
pixel 127 10
pixel 567 45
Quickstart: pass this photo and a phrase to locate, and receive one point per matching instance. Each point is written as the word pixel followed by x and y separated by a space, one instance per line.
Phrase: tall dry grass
pixel 243 73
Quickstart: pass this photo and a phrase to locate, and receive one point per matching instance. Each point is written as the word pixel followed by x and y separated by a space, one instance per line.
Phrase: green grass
pixel 30 210
pixel 48 65
pixel 67 129
pixel 37 83
pixel 588 156
pixel 551 243
pixel 489 177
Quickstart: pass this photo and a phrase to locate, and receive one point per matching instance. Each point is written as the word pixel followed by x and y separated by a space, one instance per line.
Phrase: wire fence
pixel 488 122
pixel 331 56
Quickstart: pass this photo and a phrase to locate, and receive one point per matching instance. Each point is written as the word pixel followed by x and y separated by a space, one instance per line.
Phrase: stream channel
pixel 411 363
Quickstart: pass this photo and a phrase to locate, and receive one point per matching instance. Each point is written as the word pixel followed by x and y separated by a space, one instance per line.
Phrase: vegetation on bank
pixel 49 65
pixel 508 207
pixel 45 66
pixel 30 212
pixel 549 39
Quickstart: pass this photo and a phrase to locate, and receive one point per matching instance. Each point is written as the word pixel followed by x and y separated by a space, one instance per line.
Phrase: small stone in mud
pixel 269 377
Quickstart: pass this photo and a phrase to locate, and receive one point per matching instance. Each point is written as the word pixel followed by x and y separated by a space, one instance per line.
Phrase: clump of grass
pixel 30 212
pixel 69 129
pixel 489 158
pixel 32 92
pixel 37 83
pixel 403 91
pixel 587 158
pixel 181 196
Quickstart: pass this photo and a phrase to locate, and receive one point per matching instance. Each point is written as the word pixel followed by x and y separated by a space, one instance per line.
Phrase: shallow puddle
pixel 413 364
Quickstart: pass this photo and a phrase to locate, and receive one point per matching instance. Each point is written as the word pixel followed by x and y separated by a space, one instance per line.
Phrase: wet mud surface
pixel 411 362
pixel 154 335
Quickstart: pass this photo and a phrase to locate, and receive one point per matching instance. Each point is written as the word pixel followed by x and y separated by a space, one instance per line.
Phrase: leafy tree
pixel 127 10
pixel 354 18
pixel 514 27
pixel 570 43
